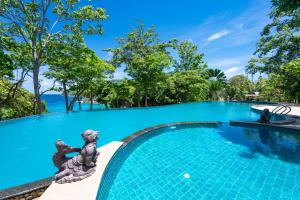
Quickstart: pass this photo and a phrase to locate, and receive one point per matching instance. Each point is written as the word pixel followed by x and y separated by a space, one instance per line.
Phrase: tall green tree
pixel 76 69
pixel 31 22
pixel 279 43
pixel 270 89
pixel 145 58
pixel 186 86
pixel 237 87
pixel 290 79
pixel 189 58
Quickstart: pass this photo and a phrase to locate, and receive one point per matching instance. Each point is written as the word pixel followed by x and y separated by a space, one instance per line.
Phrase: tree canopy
pixel 280 39
pixel 36 23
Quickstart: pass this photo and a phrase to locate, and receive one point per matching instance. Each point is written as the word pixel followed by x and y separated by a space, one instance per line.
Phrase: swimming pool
pixel 203 162
pixel 27 144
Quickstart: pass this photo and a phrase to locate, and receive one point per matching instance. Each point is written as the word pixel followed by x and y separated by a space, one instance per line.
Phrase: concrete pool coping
pixel 295 110
pixel 86 188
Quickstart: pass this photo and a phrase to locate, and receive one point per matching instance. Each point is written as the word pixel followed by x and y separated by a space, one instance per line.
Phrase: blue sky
pixel 225 31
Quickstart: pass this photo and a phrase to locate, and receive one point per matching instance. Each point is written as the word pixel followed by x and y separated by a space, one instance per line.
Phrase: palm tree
pixel 217 80
pixel 216 75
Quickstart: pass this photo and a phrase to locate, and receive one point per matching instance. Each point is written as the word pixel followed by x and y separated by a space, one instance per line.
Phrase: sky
pixel 225 31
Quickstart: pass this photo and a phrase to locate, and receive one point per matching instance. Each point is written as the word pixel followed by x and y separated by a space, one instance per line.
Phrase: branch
pixel 50 32
pixel 49 89
pixel 22 5
pixel 18 27
pixel 45 7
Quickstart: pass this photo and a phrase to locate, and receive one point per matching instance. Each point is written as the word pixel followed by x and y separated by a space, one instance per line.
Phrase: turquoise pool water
pixel 27 145
pixel 206 163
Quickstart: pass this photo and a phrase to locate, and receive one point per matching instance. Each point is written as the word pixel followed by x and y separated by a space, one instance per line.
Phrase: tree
pixel 290 78
pixel 270 89
pixel 124 91
pixel 186 86
pixel 20 105
pixel 189 58
pixel 16 62
pixel 145 59
pixel 30 22
pixel 217 81
pixel 76 68
pixel 6 64
pixel 237 87
pixel 279 43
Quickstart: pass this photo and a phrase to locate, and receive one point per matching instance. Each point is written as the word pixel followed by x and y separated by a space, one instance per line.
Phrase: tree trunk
pixel 71 106
pixel 66 96
pixel 146 101
pixel 79 102
pixel 91 100
pixel 36 84
pixel 72 103
pixel 39 106
pixel 138 97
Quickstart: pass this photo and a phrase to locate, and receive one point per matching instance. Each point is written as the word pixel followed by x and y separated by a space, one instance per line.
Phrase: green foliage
pixel 270 89
pixel 290 79
pixel 30 22
pixel 118 94
pixel 6 64
pixel 189 58
pixel 237 87
pixel 21 105
pixel 279 43
pixel 186 86
pixel 283 86
pixel 145 59
pixel 76 68
pixel 217 82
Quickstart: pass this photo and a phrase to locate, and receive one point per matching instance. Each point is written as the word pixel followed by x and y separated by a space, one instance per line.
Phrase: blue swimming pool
pixel 202 162
pixel 27 144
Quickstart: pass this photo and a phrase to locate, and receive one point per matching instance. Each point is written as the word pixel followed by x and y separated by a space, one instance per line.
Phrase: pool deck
pixel 87 188
pixel 295 110
pixel 294 115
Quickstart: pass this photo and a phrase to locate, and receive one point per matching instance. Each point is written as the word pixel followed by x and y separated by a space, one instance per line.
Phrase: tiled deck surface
pixel 87 188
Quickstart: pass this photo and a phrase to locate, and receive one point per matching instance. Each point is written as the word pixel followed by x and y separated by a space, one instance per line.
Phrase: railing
pixel 281 110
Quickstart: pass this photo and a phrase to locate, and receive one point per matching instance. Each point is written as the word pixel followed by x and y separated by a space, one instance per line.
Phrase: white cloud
pixel 231 66
pixel 243 29
pixel 231 70
pixel 218 35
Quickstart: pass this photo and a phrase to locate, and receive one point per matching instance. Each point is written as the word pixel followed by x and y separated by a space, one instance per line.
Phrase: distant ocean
pixel 56 103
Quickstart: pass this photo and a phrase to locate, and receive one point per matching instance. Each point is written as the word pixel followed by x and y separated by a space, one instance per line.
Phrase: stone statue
pixel 265 116
pixel 80 166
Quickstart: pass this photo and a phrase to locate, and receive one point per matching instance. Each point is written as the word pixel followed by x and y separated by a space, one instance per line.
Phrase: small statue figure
pixel 80 166
pixel 265 116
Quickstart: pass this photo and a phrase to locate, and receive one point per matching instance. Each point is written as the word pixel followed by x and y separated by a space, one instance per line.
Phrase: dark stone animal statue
pixel 265 116
pixel 80 166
